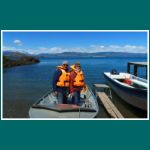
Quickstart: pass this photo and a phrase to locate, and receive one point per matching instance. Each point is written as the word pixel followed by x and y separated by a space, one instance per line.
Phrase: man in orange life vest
pixel 61 83
pixel 76 83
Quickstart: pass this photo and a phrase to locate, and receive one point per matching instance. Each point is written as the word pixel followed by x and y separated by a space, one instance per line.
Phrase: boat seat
pixel 64 108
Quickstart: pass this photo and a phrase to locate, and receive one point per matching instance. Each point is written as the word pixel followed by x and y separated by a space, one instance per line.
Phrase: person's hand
pixel 84 88
pixel 72 94
pixel 55 93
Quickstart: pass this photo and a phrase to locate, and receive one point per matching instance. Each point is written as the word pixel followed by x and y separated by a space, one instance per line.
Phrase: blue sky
pixel 57 42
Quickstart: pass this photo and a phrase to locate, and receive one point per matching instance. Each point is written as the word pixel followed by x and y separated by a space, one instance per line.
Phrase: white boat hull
pixel 134 96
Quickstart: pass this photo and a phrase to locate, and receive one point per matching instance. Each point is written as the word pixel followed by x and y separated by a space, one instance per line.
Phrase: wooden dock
pixel 109 106
pixel 135 66
pixel 103 88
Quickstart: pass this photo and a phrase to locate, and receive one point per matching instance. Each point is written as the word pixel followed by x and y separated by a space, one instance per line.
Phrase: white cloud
pixel 5 48
pixel 118 48
pixel 16 49
pixel 50 50
pixel 9 48
pixel 43 48
pixel 18 42
pixel 56 50
pixel 89 49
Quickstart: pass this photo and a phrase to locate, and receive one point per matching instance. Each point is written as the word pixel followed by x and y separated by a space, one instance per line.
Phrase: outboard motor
pixel 114 71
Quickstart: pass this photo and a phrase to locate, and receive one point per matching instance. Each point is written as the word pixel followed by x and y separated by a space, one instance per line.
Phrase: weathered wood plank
pixel 117 112
pixel 106 105
pixel 101 86
pixel 109 106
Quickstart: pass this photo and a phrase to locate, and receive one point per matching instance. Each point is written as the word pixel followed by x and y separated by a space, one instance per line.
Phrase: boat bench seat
pixel 64 108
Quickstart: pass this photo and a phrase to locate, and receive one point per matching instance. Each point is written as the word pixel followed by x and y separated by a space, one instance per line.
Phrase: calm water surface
pixel 25 84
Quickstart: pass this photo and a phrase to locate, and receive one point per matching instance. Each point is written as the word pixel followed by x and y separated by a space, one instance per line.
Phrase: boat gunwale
pixel 124 85
pixel 64 110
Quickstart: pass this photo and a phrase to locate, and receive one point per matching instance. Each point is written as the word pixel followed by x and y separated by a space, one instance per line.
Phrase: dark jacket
pixel 56 76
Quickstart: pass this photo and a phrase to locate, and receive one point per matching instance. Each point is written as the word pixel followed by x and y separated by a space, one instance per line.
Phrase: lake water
pixel 23 85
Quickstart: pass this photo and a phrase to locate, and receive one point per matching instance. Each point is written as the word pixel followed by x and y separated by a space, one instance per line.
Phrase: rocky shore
pixel 25 60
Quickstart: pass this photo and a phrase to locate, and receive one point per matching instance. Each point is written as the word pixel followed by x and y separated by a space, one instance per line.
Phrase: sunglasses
pixel 77 66
pixel 65 64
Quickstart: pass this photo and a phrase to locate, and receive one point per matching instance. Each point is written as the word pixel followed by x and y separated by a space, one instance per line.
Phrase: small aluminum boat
pixel 48 107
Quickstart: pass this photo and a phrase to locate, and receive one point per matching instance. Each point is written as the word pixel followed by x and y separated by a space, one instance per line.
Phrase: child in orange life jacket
pixel 76 83
pixel 61 83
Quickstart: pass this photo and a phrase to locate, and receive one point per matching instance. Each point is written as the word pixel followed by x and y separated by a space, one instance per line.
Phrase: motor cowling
pixel 114 71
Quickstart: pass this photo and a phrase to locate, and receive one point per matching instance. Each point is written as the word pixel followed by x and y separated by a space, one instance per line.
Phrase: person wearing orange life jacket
pixel 76 83
pixel 61 83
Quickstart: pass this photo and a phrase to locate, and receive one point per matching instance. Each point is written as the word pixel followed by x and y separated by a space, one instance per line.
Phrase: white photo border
pixel 147 31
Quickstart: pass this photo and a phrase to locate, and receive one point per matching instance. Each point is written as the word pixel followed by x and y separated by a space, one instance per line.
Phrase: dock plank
pixel 117 112
pixel 109 106
pixel 101 86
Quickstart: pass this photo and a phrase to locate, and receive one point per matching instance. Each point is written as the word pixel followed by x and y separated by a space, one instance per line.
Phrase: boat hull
pixel 43 113
pixel 133 96
pixel 46 108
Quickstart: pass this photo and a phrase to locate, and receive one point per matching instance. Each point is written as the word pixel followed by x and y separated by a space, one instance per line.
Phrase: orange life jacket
pixel 79 79
pixel 64 78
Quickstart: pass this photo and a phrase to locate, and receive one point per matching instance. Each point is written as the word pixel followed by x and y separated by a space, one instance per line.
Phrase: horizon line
pixel 74 52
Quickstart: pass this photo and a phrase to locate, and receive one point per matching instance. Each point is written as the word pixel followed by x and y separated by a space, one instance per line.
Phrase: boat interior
pixel 132 83
pixel 50 102
pixel 129 80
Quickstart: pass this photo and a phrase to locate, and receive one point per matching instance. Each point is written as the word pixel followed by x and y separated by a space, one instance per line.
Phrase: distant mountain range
pixel 15 55
pixel 84 55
